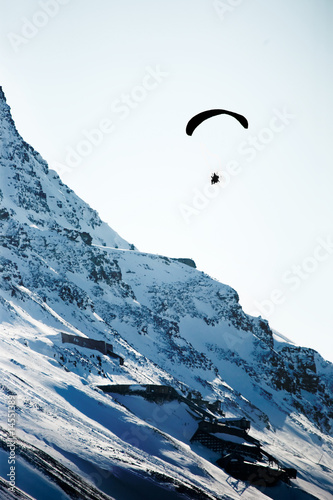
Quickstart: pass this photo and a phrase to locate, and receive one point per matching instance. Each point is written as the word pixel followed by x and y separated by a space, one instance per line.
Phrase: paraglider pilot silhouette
pixel 204 115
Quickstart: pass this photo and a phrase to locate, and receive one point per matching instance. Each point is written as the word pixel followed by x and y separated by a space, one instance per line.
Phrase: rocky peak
pixel 7 126
pixel 36 196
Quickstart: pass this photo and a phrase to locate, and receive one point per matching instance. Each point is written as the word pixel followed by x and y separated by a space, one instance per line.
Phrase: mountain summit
pixel 34 195
pixel 135 375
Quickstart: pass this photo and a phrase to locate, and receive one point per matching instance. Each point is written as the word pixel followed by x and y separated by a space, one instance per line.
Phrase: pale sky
pixel 104 89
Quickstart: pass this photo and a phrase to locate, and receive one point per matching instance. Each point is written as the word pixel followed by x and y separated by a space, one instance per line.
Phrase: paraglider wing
pixel 197 119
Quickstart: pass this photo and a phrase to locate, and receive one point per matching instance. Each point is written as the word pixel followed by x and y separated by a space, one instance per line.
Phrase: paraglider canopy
pixel 204 115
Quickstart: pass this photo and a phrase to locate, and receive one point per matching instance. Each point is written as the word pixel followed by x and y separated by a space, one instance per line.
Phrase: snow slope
pixel 64 270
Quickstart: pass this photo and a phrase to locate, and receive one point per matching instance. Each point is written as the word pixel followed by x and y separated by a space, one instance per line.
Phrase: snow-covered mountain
pixel 64 270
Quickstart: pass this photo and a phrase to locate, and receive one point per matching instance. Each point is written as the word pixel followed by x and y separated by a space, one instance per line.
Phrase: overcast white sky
pixel 137 71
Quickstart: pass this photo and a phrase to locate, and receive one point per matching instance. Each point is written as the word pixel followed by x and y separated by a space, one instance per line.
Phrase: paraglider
pixel 204 115
pixel 215 178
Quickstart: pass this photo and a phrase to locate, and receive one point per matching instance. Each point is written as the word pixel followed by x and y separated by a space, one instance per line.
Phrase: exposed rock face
pixel 188 262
